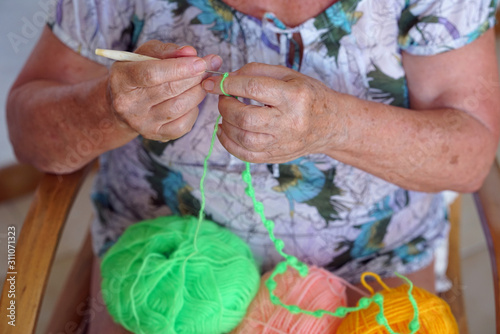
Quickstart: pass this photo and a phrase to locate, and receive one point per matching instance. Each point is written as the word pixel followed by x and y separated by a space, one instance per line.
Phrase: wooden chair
pixel 43 226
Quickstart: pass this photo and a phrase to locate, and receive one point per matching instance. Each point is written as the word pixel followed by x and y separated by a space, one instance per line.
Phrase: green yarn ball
pixel 154 280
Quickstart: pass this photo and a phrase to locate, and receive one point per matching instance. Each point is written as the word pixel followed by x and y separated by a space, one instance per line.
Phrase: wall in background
pixel 21 23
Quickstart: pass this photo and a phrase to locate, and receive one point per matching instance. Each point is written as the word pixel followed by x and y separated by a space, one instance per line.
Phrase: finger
pixel 161 50
pixel 156 72
pixel 160 93
pixel 151 96
pixel 251 141
pixel 266 90
pixel 232 147
pixel 144 98
pixel 175 108
pixel 248 117
pixel 275 71
pixel 246 155
pixel 214 62
pixel 180 126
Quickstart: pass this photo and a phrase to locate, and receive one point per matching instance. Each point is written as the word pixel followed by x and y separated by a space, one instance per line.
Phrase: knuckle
pixel 247 121
pixel 158 136
pixel 171 89
pixel 299 93
pixel 148 130
pixel 198 94
pixel 254 88
pixel 150 76
pixel 178 69
pixel 251 141
pixel 299 98
pixel 120 102
pixel 136 124
pixel 176 129
pixel 180 130
pixel 149 46
pixel 298 124
pixel 252 157
pixel 176 88
pixel 152 136
pixel 177 107
pixel 250 67
pixel 168 47
pixel 245 140
pixel 185 127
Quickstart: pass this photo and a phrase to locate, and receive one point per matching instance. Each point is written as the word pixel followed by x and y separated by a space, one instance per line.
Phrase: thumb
pixel 162 50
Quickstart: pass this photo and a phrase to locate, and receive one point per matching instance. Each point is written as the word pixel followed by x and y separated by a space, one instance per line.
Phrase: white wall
pixel 21 22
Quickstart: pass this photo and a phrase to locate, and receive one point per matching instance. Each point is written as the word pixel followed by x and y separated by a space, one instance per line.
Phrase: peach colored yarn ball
pixel 320 289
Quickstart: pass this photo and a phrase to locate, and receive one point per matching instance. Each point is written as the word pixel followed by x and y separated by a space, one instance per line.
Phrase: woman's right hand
pixel 159 98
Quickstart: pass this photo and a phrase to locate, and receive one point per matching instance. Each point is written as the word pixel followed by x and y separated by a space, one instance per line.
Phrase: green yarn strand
pixel 201 214
pixel 222 85
pixel 301 267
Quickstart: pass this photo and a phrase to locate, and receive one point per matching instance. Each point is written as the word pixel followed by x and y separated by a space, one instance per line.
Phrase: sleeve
pixel 84 25
pixel 428 27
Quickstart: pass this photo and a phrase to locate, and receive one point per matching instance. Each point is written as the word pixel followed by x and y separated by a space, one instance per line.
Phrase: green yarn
pixel 179 274
pixel 301 267
pixel 201 214
pixel 222 85
pixel 224 76
pixel 155 281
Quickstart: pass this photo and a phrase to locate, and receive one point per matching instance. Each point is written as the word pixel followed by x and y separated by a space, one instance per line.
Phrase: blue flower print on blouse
pixel 213 12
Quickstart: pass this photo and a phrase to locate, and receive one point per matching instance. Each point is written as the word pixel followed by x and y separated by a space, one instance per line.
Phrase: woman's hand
pixel 159 98
pixel 299 115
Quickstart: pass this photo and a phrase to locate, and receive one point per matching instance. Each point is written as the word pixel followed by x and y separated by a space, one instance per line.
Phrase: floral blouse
pixel 328 213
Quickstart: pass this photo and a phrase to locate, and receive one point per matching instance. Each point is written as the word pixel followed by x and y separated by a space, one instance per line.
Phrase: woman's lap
pixel 101 321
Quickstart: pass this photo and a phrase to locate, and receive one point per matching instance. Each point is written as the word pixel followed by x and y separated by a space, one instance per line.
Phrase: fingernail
pixel 200 65
pixel 208 85
pixel 219 130
pixel 215 62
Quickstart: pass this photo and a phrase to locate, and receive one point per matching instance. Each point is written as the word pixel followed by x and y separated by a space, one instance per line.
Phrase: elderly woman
pixel 356 114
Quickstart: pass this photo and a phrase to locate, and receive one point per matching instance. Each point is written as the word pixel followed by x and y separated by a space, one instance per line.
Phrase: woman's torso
pixel 328 213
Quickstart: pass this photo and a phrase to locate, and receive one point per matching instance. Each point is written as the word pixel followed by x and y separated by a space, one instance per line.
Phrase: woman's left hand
pixel 299 115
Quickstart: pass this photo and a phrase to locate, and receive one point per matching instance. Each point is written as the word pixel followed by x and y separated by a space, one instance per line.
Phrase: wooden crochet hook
pixel 130 56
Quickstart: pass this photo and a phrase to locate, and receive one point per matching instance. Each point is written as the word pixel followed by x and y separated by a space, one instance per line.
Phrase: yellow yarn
pixel 434 313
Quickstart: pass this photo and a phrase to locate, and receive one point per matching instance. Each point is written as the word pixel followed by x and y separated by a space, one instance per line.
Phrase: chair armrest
pixel 488 205
pixel 36 246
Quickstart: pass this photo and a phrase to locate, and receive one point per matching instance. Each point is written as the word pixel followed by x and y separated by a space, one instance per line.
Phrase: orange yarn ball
pixel 434 314
pixel 320 289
